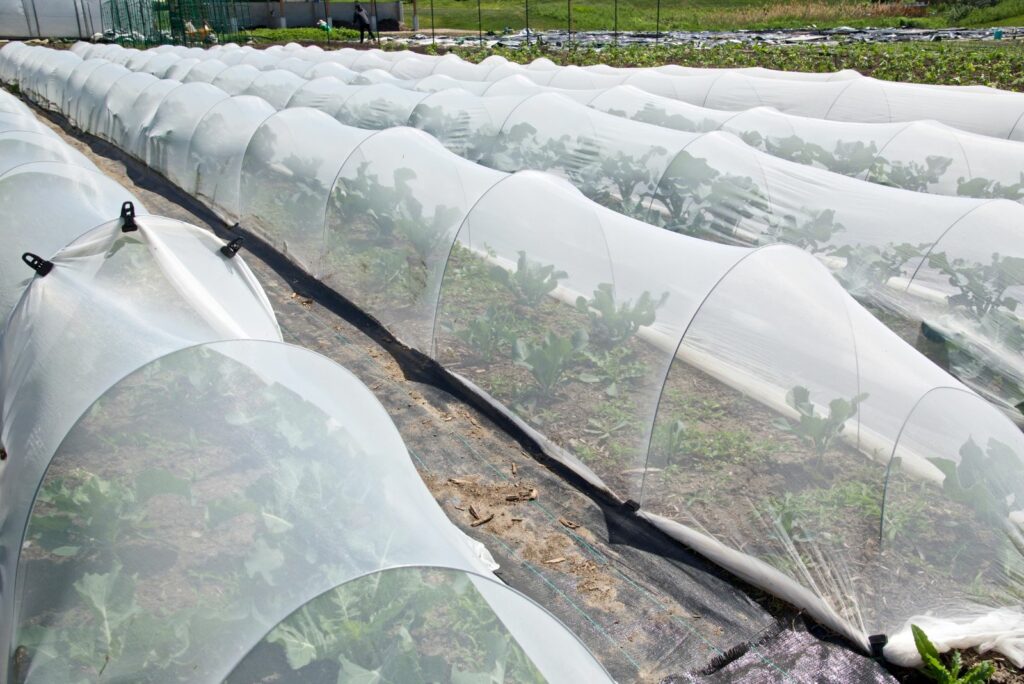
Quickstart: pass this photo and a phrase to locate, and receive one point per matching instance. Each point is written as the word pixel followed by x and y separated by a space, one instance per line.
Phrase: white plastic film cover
pixel 119 299
pixel 46 206
pixel 653 361
pixel 456 625
pixel 295 482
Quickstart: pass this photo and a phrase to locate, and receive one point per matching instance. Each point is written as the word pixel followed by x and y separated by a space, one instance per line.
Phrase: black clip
pixel 37 263
pixel 231 249
pixel 631 505
pixel 128 216
pixel 931 334
pixel 877 643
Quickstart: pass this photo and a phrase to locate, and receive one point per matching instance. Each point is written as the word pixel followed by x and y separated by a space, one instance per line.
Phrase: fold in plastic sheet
pixel 286 449
pixel 738 393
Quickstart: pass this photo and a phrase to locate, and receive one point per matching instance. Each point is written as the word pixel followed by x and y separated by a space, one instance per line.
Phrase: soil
pixel 1005 673
pixel 541 546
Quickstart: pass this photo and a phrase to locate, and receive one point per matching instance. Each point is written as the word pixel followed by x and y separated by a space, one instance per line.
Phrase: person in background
pixel 362 22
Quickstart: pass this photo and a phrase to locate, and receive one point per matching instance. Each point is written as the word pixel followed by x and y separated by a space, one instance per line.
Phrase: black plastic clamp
pixel 37 263
pixel 231 249
pixel 931 334
pixel 128 218
pixel 877 643
pixel 631 505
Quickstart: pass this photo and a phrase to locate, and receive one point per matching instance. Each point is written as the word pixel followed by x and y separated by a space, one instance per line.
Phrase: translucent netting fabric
pixel 119 300
pixel 24 147
pixel 914 154
pixel 671 370
pixel 295 485
pixel 464 626
pixel 33 221
pixel 840 96
pixel 882 244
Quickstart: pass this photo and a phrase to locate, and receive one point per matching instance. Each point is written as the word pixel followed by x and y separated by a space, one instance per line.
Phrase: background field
pixel 641 15
pixel 999 64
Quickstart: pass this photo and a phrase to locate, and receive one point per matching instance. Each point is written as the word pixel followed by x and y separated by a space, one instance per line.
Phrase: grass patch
pixel 642 15
pixel 309 34
pixel 1007 13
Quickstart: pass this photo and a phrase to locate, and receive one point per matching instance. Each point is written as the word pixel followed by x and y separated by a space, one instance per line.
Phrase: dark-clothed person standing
pixel 362 22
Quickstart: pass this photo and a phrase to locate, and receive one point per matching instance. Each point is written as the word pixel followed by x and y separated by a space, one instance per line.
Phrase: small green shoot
pixel 487 333
pixel 612 324
pixel 817 430
pixel 531 282
pixel 549 360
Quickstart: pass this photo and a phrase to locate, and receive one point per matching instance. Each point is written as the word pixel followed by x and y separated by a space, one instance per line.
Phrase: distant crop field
pixel 645 15
pixel 999 64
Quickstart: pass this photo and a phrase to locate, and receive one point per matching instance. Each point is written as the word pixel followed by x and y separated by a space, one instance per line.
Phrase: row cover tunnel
pixel 916 154
pixel 838 96
pixel 739 396
pixel 954 264
pixel 185 497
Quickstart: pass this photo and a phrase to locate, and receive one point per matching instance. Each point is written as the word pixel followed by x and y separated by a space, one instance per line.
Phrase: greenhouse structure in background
pixel 50 18
pixel 251 554
pixel 735 395
pixel 142 23
pixel 908 257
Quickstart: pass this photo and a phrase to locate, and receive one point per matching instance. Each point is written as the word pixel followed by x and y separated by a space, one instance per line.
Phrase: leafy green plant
pixel 868 267
pixel 677 439
pixel 937 671
pixel 819 431
pixel 531 282
pixel 613 368
pixel 700 200
pixel 604 430
pixel 612 324
pixel 401 625
pixel 390 272
pixel 618 181
pixel 982 287
pixel 989 480
pixel 810 235
pixel 910 175
pixel 789 514
pixel 985 187
pixel 487 333
pixel 549 360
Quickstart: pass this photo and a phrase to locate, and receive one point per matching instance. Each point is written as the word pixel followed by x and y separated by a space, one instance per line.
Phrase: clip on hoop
pixel 37 263
pixel 231 249
pixel 128 218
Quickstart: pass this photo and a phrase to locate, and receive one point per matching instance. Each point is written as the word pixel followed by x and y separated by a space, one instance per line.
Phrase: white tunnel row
pixel 181 490
pixel 903 253
pixel 633 351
